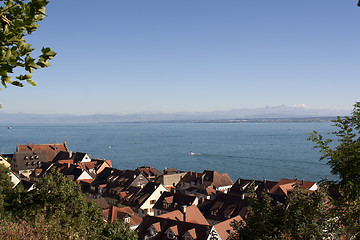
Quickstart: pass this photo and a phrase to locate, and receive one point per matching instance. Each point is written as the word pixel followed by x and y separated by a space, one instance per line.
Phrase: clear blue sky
pixel 129 56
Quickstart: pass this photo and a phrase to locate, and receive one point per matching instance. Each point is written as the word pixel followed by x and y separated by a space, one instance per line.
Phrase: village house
pixel 166 228
pixel 222 230
pixel 242 187
pixel 170 201
pixel 224 207
pixel 150 173
pixel 24 163
pixel 189 214
pixel 205 185
pixel 49 150
pixel 14 178
pixel 170 178
pixel 126 214
pixel 284 186
pixel 29 157
pixel 116 185
pixel 146 198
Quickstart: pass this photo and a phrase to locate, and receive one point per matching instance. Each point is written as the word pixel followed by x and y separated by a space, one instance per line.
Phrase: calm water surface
pixel 247 150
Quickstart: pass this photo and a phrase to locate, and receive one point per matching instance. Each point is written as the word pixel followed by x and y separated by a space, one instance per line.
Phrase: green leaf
pixel 6 79
pixel 31 82
pixel 17 83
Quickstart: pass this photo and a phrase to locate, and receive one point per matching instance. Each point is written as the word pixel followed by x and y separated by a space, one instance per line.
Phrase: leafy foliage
pixel 56 209
pixel 118 230
pixel 19 18
pixel 302 216
pixel 5 188
pixel 342 153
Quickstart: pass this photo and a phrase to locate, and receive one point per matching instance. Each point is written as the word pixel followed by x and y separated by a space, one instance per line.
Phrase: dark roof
pixel 177 201
pixel 225 206
pixel 100 201
pixel 78 156
pixel 112 213
pixel 27 184
pixel 62 155
pixel 139 198
pixel 149 171
pixel 163 225
pixel 242 186
pixel 28 160
pixel 208 178
pixel 72 172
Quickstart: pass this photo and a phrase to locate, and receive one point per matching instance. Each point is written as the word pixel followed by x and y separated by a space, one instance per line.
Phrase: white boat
pixel 192 153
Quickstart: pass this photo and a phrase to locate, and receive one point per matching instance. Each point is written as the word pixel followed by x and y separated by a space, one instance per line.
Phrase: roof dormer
pixel 172 232
pixel 190 234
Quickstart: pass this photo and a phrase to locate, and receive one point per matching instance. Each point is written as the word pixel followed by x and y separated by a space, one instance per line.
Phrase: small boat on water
pixel 9 127
pixel 192 153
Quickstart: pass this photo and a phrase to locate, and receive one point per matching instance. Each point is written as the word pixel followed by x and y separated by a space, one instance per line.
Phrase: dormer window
pixel 188 237
pixel 153 231
pixel 170 234
pixel 26 158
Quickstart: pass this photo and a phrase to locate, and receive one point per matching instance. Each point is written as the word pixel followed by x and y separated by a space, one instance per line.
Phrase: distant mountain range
pixel 277 113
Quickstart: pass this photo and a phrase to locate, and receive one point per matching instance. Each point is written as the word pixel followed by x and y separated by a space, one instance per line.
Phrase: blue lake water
pixel 243 150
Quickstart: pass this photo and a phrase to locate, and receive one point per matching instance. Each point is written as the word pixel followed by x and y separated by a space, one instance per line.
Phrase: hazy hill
pixel 254 113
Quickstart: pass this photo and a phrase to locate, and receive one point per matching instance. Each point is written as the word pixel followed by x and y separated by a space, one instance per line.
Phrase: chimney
pixel 243 196
pixel 183 210
pixel 264 180
pixel 302 182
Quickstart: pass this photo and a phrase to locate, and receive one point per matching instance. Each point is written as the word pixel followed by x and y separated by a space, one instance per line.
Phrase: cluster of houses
pixel 169 204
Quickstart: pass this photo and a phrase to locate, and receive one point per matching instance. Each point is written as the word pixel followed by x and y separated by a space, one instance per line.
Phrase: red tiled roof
pixel 85 180
pixel 192 215
pixel 224 228
pixel 50 150
pixel 284 185
pixel 113 212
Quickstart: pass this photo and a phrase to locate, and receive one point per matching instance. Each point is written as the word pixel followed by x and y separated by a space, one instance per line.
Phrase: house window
pixel 152 201
pixel 188 237
pixel 170 234
pixel 127 219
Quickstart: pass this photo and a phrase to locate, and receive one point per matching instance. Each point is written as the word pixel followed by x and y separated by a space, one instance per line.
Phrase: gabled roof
pixel 175 201
pixel 241 186
pixel 50 150
pixel 285 185
pixel 189 214
pixel 103 204
pixel 190 177
pixel 198 230
pixel 206 179
pixel 149 171
pixel 74 173
pixel 225 206
pixel 224 228
pixel 139 198
pixel 112 213
pixel 62 155
pixel 217 179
